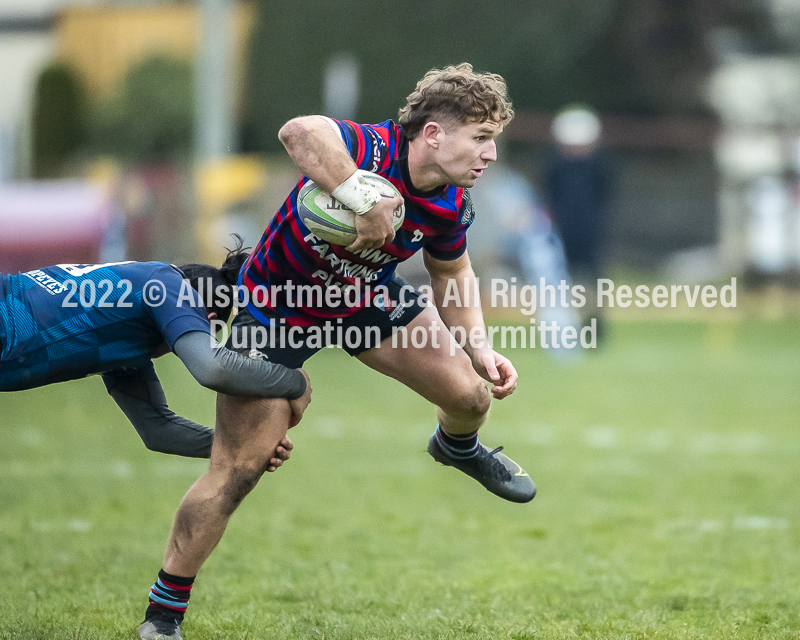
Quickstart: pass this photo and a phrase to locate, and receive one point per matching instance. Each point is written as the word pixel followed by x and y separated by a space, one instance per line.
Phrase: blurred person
pixel 577 185
pixel 443 142
pixel 136 312
pixel 516 231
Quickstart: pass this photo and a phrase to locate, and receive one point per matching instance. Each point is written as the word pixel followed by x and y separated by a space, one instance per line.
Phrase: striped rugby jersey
pixel 288 252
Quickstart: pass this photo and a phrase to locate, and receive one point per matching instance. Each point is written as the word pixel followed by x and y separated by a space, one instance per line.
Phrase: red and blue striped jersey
pixel 289 254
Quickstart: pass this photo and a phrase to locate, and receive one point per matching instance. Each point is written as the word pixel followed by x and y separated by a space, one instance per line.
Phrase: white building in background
pixel 758 155
pixel 26 45
pixel 758 152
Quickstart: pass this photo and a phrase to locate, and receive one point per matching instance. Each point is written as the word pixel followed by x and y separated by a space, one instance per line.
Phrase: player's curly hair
pixel 456 94
pixel 219 286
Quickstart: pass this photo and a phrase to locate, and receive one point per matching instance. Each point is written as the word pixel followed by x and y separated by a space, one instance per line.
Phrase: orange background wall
pixel 103 43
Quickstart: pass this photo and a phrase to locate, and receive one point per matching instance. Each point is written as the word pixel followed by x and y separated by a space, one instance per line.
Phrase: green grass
pixel 668 506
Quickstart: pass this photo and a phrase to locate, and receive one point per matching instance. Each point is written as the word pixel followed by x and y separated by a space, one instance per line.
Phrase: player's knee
pixel 240 481
pixel 473 404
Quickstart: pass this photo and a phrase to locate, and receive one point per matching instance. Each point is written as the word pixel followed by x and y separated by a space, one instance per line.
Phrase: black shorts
pixel 290 346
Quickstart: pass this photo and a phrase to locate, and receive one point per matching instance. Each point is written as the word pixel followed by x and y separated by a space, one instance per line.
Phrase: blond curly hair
pixel 456 94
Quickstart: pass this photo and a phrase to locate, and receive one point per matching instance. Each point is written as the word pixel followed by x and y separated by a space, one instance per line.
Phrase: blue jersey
pixel 69 321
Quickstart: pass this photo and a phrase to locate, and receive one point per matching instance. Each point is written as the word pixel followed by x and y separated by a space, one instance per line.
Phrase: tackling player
pixel 68 321
pixel 443 142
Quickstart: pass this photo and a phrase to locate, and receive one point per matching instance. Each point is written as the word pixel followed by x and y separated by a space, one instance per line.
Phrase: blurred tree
pixel 671 46
pixel 151 118
pixel 621 56
pixel 58 120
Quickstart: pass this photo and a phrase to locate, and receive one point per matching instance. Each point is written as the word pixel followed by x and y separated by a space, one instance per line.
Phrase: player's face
pixel 466 150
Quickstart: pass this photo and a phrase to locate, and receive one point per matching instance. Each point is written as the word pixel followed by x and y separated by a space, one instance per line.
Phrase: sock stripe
pixel 166 594
pixel 175 587
pixel 161 602
pixel 176 580
pixel 462 452
pixel 169 597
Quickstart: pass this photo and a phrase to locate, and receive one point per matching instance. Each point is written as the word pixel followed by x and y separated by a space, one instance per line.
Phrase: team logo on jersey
pixel 376 156
pixel 399 311
pixel 383 302
pixel 469 210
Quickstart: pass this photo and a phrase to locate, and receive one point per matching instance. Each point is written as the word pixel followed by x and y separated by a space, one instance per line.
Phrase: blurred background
pixel 656 142
pixel 148 130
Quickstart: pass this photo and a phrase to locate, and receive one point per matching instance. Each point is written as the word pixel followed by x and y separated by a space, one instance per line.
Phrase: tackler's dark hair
pixel 217 287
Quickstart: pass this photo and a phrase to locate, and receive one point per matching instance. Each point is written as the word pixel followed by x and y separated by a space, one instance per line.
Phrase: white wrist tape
pixel 357 194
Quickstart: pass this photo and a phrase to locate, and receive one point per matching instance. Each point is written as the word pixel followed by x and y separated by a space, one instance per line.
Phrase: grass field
pixel 669 505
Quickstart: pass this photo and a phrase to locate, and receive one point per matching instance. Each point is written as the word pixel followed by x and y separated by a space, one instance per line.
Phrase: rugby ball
pixel 328 219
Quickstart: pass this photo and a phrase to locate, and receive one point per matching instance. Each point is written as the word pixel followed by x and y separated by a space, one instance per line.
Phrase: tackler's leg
pixel 248 432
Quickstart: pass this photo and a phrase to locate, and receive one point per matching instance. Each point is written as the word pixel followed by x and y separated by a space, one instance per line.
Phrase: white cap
pixel 576 126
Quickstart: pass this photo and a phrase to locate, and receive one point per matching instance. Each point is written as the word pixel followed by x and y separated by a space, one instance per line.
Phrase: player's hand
pixel 376 227
pixel 300 404
pixel 282 454
pixel 497 369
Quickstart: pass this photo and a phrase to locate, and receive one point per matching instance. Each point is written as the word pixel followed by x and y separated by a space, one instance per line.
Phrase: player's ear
pixel 212 315
pixel 431 133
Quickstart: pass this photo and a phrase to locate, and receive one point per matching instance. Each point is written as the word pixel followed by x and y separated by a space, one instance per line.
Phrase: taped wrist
pixel 357 194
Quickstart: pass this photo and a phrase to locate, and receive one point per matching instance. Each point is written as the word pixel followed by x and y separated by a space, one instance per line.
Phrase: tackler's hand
pixel 282 454
pixel 299 405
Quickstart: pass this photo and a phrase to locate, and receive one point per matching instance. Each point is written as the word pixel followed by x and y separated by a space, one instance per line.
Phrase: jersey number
pixel 87 290
pixel 83 269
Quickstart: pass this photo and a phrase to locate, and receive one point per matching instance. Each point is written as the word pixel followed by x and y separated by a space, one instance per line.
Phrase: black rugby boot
pixel 495 471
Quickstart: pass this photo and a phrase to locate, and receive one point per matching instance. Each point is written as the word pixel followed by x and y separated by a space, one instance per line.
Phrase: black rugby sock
pixel 169 597
pixel 458 446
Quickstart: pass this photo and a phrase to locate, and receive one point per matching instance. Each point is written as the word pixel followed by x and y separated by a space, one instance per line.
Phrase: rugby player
pixel 443 142
pixel 68 321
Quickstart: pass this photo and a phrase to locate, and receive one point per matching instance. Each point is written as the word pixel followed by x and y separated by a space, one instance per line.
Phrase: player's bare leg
pixel 442 373
pixel 248 434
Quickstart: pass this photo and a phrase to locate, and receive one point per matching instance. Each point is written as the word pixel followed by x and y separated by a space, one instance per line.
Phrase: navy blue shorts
pixel 290 346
